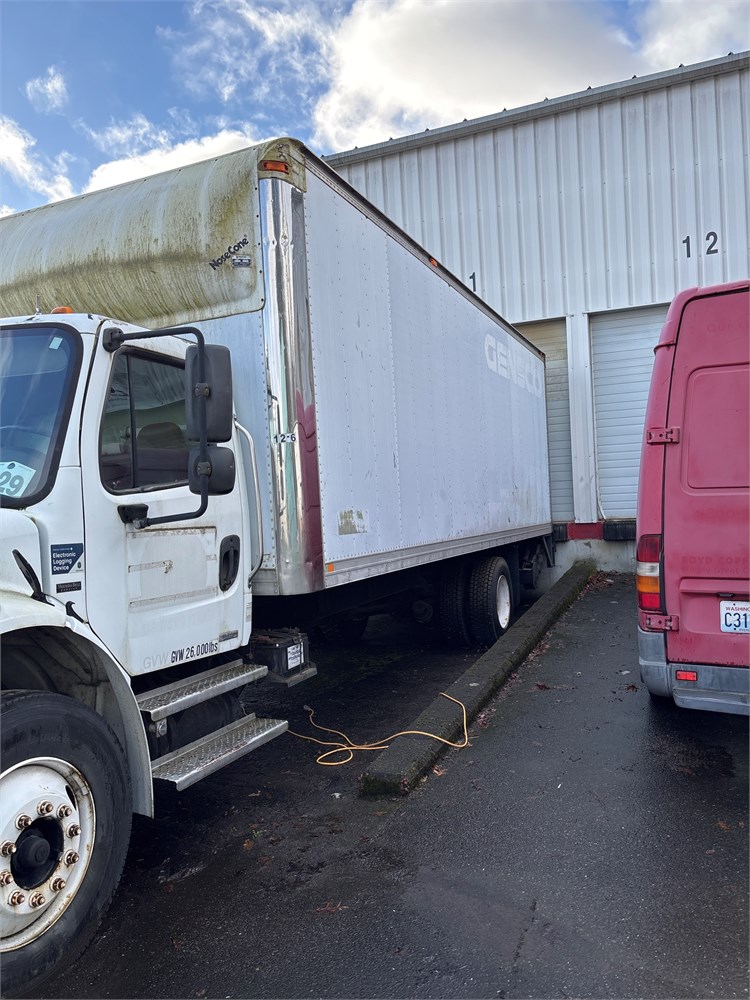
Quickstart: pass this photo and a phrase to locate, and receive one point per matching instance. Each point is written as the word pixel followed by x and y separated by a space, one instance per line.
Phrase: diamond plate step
pixel 178 696
pixel 189 764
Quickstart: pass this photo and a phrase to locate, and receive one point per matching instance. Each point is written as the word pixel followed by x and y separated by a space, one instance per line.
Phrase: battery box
pixel 286 654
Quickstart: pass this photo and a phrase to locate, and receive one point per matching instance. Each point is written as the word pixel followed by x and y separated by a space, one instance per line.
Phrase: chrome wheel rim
pixel 502 602
pixel 47 835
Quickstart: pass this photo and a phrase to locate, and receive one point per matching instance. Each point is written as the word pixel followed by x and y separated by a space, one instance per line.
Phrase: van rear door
pixel 706 477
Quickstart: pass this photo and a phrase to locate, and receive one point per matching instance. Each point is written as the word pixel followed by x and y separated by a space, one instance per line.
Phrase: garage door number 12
pixel 712 240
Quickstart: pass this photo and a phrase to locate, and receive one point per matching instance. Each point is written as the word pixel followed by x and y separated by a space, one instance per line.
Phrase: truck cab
pixel 126 607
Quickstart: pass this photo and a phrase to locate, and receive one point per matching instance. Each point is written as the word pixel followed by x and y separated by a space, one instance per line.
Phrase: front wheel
pixel 65 815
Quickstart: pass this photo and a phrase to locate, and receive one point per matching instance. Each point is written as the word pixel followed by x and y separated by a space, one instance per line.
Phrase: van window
pixel 717 417
pixel 143 442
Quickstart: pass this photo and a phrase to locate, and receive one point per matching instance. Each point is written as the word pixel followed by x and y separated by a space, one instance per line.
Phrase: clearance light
pixel 61 309
pixel 330 567
pixel 686 675
pixel 277 165
pixel 648 577
pixel 433 262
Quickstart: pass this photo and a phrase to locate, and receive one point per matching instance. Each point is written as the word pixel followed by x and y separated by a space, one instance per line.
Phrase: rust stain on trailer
pixel 353 522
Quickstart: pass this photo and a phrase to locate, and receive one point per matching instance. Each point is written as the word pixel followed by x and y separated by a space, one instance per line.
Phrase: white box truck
pixel 235 399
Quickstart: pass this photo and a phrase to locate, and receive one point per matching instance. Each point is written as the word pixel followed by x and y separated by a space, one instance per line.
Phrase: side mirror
pixel 214 388
pixel 220 472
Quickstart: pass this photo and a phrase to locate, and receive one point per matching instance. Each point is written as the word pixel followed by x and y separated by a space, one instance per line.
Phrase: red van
pixel 693 527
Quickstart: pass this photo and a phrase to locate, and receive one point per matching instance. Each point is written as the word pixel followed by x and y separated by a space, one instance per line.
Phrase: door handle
pixel 229 561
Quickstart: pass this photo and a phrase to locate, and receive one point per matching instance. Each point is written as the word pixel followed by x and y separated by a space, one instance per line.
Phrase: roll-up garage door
pixel 551 338
pixel 622 352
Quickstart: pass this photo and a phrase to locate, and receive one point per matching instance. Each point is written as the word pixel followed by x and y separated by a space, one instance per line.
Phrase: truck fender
pixel 20 612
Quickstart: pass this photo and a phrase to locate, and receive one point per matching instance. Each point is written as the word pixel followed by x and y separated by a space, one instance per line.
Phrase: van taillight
pixel 647 576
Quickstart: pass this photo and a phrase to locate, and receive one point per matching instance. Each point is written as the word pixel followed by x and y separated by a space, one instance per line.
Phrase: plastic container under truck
pixel 693 525
pixel 235 398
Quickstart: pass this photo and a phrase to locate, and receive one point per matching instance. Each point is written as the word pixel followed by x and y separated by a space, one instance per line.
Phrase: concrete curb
pixel 396 770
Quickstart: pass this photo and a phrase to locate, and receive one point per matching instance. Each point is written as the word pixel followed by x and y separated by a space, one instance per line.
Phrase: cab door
pixel 706 480
pixel 167 594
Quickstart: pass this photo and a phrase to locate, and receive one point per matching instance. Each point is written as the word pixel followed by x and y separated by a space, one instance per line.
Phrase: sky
pixel 97 92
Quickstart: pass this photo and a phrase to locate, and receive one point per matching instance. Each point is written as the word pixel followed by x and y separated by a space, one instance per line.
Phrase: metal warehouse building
pixel 578 219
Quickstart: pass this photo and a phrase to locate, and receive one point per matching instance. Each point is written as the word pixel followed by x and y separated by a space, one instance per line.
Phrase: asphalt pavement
pixel 585 844
pixel 588 844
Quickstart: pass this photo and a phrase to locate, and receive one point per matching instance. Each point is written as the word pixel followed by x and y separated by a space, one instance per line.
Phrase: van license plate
pixel 735 616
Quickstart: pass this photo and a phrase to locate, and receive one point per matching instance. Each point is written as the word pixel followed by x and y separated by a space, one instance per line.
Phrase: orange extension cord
pixel 349 748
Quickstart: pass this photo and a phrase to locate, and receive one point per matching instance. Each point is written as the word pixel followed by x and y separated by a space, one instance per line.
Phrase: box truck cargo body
pixel 693 524
pixel 235 398
pixel 406 422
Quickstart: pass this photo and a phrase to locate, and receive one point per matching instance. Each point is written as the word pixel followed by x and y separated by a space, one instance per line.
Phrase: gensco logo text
pixel 513 362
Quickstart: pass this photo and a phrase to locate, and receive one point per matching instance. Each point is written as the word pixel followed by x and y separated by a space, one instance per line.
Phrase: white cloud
pixel 168 158
pixel 689 31
pixel 48 93
pixel 6 210
pixel 400 66
pixel 27 168
pixel 403 65
pixel 136 136
pixel 274 53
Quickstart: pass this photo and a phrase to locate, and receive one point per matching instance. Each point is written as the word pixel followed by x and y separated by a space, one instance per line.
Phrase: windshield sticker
pixel 15 478
pixel 64 557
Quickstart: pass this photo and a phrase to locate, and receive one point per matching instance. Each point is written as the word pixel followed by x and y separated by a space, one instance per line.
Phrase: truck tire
pixel 65 816
pixel 452 611
pixel 490 599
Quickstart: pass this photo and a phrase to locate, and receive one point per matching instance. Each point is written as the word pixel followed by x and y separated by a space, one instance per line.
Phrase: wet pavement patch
pixel 396 770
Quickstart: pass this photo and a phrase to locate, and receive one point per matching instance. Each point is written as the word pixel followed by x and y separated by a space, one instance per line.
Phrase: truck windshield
pixel 37 369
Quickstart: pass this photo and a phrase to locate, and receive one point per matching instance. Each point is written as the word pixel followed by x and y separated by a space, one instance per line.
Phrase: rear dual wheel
pixel 475 601
pixel 452 603
pixel 490 599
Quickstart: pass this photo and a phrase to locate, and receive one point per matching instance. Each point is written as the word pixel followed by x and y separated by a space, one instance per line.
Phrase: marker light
pixel 278 165
pixel 686 675
pixel 648 577
pixel 61 309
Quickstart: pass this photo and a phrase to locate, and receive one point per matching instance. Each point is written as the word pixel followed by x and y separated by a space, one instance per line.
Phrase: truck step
pixel 189 764
pixel 178 696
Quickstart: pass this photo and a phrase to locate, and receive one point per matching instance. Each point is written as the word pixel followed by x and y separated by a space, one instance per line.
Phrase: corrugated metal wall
pixel 606 200
pixel 583 210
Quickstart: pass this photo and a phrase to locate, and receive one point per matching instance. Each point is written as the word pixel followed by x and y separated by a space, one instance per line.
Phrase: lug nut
pixel 5 878
pixel 16 898
pixel 57 884
pixel 73 830
pixel 71 857
pixel 7 848
pixel 44 808
pixel 37 900
pixel 64 811
pixel 23 821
